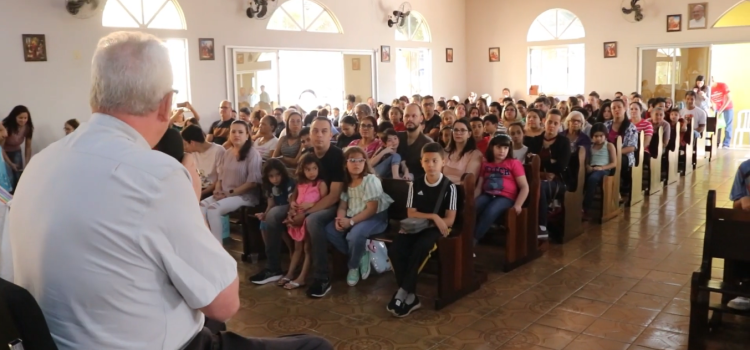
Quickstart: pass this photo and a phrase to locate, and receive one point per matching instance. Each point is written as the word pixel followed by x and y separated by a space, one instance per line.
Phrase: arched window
pixel 556 24
pixel 415 28
pixel 304 16
pixel 154 14
pixel 737 16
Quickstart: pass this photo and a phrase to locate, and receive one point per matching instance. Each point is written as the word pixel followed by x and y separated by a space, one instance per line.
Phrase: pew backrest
pixel 726 235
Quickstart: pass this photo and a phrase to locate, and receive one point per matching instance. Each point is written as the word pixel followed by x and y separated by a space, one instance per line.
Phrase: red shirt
pixel 500 178
pixel 482 145
pixel 399 127
pixel 648 130
pixel 718 93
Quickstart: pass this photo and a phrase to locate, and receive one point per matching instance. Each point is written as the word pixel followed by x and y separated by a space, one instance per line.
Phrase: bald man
pixel 698 17
pixel 219 131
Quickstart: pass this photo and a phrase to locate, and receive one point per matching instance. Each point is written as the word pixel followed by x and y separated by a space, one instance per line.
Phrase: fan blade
pixel 263 11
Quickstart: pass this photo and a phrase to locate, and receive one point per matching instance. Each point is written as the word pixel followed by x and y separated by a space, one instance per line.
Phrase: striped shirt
pixel 368 190
pixel 424 195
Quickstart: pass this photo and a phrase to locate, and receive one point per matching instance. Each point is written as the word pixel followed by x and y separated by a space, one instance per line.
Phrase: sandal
pixel 282 282
pixel 292 285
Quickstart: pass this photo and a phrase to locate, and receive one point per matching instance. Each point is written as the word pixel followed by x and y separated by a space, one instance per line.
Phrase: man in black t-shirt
pixel 219 131
pixel 315 218
pixel 411 251
pixel 411 141
pixel 432 119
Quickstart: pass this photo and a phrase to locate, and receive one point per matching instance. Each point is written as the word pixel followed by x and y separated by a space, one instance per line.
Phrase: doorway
pixel 671 71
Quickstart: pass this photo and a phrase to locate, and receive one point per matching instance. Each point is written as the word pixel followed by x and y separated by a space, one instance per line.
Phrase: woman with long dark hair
pixel 461 155
pixel 239 171
pixel 70 126
pixel 20 130
pixel 288 147
pixel 703 94
pixel 621 126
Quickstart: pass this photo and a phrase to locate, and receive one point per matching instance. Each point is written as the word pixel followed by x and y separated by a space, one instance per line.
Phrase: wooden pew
pixel 654 184
pixel 673 158
pixel 573 226
pixel 699 152
pixel 521 243
pixel 454 256
pixel 611 187
pixel 727 238
pixel 713 137
pixel 636 184
pixel 687 167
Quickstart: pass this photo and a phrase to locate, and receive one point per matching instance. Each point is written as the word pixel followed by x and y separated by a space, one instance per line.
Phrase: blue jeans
pixel 353 242
pixel 17 158
pixel 549 190
pixel 489 208
pixel 728 118
pixel 316 226
pixel 593 181
pixel 383 169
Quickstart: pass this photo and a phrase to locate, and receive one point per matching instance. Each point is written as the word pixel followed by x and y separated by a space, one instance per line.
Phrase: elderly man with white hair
pixel 698 17
pixel 107 234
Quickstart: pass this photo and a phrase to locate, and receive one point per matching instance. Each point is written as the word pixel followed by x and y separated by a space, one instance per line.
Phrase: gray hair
pixel 575 114
pixel 365 108
pixel 130 73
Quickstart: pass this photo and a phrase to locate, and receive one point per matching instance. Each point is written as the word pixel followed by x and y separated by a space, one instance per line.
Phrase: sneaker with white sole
pixel 543 234
pixel 739 303
pixel 364 265
pixel 266 276
pixel 352 278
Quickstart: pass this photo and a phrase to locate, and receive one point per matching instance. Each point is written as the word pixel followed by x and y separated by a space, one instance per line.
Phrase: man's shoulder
pixel 744 168
pixel 424 138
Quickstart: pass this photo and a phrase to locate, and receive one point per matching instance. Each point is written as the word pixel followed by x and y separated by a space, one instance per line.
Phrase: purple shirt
pixel 233 173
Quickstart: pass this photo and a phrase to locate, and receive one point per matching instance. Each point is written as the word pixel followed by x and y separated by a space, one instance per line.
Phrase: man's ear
pixel 165 107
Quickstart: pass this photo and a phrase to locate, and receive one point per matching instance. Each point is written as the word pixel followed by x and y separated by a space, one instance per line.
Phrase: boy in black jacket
pixel 411 251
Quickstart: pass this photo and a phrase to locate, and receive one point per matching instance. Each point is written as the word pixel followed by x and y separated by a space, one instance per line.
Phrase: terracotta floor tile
pixel 645 301
pixel 601 293
pixel 657 339
pixel 587 342
pixel 656 288
pixel 566 320
pixel 667 277
pixel 584 306
pixel 672 323
pixel 619 331
pixel 629 314
pixel 678 307
pixel 548 337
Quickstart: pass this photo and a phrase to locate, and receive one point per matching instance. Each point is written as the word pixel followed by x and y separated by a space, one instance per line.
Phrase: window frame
pixel 421 24
pixel 555 36
pixel 428 71
pixel 305 23
pixel 144 26
pixel 570 91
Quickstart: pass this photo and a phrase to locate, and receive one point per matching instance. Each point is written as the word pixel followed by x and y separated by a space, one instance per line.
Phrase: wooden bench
pixel 454 257
pixel 611 188
pixel 652 178
pixel 573 226
pixel 519 240
pixel 673 159
pixel 727 238
pixel 636 180
pixel 699 152
pixel 713 136
pixel 686 160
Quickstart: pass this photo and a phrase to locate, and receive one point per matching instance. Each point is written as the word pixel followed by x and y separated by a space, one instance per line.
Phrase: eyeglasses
pixel 460 131
pixel 576 121
pixel 355 160
pixel 366 126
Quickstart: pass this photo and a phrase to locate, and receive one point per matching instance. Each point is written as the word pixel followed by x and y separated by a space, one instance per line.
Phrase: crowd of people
pixel 154 257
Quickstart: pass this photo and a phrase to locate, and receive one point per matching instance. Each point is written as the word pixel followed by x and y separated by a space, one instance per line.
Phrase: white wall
pixel 505 24
pixel 57 90
pixel 359 82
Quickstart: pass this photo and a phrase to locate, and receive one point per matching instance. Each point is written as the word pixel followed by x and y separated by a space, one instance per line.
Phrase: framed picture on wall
pixel 610 49
pixel 697 13
pixel 674 23
pixel 356 64
pixel 206 49
pixel 385 53
pixel 449 55
pixel 34 48
pixel 494 54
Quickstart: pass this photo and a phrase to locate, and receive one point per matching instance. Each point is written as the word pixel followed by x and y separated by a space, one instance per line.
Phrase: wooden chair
pixel 454 256
pixel 673 158
pixel 573 226
pixel 654 184
pixel 636 180
pixel 726 238
pixel 687 165
pixel 611 187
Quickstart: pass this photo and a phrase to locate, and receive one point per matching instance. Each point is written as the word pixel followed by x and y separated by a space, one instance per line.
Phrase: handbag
pixel 417 225
pixel 379 256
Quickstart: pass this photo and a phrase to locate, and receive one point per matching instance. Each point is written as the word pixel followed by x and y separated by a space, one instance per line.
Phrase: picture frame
pixel 385 53
pixel 206 49
pixel 356 64
pixel 494 54
pixel 610 49
pixel 449 55
pixel 34 47
pixel 674 23
pixel 240 58
pixel 697 14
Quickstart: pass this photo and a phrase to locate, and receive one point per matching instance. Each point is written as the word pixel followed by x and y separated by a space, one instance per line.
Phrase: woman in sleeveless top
pixel 288 147
pixel 462 154
pixel 20 130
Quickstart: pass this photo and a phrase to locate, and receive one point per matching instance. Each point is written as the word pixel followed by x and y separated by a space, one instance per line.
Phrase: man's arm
pixel 330 199
pixel 226 304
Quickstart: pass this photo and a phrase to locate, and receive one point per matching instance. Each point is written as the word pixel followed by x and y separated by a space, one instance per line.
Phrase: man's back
pixel 98 239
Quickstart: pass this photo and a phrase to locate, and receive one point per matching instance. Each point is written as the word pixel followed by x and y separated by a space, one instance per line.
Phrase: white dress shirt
pixel 108 237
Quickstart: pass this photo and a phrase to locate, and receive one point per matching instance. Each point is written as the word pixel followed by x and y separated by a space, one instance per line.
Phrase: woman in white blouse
pixel 266 141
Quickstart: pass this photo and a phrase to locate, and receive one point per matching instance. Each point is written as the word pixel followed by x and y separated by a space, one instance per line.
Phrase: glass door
pixel 256 79
pixel 413 72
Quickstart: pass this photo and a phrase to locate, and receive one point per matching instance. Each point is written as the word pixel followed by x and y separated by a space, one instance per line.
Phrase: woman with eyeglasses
pixel 510 115
pixel 577 138
pixel 462 155
pixel 369 141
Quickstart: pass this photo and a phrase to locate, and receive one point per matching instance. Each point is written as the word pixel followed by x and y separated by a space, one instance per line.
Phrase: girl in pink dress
pixel 310 189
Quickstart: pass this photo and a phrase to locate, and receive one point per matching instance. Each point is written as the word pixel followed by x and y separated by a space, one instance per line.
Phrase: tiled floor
pixel 621 285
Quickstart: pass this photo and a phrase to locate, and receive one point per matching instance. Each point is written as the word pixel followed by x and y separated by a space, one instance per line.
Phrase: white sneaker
pixel 739 303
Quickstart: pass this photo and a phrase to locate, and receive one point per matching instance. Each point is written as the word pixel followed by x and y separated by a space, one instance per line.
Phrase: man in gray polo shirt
pixel 107 234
